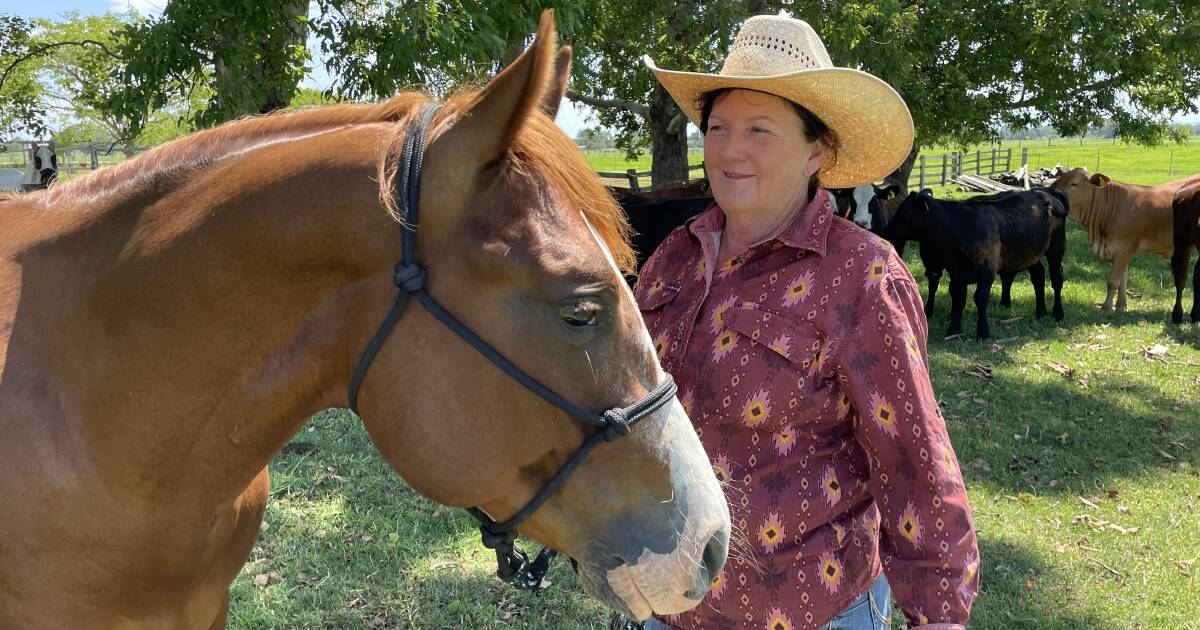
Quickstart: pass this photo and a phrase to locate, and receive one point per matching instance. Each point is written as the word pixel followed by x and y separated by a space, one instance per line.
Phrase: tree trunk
pixel 668 150
pixel 899 177
pixel 280 95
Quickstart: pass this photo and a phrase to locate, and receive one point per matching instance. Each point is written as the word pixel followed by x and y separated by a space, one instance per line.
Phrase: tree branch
pixel 47 48
pixel 609 103
pixel 1099 85
pixel 676 122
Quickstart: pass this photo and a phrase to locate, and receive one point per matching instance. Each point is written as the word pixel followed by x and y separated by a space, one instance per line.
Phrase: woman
pixel 798 343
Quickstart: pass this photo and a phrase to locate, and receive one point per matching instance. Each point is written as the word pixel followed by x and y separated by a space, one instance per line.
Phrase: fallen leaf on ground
pixel 263 579
pixel 1157 351
pixel 1060 368
pixel 1089 503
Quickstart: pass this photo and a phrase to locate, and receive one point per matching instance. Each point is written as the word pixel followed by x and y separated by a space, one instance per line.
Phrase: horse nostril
pixel 711 564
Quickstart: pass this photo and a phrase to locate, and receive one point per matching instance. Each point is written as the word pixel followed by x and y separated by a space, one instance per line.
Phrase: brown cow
pixel 1122 220
pixel 1187 236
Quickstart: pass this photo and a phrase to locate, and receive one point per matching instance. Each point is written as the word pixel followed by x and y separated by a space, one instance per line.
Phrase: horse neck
pixel 210 321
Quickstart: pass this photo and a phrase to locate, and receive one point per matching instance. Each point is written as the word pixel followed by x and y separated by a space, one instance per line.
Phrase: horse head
pixel 525 248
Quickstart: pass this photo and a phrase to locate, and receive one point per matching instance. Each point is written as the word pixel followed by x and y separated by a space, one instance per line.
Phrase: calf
pixel 1122 221
pixel 1186 230
pixel 977 239
pixel 864 204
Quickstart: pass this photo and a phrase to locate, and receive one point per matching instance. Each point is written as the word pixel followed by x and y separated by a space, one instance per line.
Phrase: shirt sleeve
pixel 927 536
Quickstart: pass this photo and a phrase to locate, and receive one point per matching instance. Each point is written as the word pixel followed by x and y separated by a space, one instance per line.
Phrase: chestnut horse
pixel 168 323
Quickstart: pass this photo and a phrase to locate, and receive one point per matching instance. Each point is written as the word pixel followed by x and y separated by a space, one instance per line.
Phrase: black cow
pixel 1186 230
pixel 977 239
pixel 653 219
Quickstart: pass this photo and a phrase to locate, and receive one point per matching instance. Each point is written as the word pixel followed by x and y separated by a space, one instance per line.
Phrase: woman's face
pixel 757 157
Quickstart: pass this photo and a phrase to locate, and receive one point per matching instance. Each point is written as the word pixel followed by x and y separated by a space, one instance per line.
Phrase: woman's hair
pixel 814 128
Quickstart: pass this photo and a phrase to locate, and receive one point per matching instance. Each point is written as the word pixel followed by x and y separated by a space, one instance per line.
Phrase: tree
pixel 21 106
pixel 966 68
pixel 244 57
pixel 68 70
pixel 375 50
pixel 609 75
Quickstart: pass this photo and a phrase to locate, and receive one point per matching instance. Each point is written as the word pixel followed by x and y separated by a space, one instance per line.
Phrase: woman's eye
pixel 579 314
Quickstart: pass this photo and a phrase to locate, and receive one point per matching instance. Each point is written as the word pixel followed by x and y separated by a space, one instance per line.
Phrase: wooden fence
pixel 929 170
pixel 936 170
pixel 633 177
pixel 72 159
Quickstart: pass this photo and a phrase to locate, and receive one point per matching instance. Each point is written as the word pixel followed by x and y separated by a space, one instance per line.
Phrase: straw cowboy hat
pixel 785 57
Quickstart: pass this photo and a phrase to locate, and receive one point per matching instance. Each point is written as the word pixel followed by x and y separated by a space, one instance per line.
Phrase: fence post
pixel 95 158
pixel 978 163
pixel 633 180
pixel 1024 156
pixel 921 175
pixel 942 182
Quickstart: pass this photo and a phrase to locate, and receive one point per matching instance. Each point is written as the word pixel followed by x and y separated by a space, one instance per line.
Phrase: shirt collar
pixel 808 231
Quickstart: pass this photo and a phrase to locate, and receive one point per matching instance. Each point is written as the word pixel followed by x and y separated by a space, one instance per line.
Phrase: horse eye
pixel 580 313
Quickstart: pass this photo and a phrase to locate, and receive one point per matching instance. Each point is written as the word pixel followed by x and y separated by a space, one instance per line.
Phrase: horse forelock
pixel 540 149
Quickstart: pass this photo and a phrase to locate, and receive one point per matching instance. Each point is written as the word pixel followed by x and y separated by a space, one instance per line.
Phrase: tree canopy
pixel 966 69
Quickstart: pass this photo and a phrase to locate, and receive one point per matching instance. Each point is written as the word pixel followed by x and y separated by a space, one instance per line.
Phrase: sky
pixel 572 118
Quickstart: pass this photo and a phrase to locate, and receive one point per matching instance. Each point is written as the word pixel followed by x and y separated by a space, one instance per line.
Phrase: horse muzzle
pixel 662 557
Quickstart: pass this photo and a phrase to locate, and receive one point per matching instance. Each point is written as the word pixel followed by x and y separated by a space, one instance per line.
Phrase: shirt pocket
pixel 792 361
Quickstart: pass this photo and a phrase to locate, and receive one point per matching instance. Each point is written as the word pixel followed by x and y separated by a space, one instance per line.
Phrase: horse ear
pixel 485 128
pixel 558 85
pixel 489 124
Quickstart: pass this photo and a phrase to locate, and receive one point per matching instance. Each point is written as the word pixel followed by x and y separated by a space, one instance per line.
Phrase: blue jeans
pixel 871 611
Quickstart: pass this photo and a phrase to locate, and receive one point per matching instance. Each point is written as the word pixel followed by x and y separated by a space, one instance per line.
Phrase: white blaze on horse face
pixel 658 583
pixel 644 339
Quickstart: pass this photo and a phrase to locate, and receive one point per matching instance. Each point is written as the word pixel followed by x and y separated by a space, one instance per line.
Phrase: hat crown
pixel 773 44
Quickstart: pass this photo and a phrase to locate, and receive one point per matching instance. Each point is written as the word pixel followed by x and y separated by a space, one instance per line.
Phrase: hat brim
pixel 873 125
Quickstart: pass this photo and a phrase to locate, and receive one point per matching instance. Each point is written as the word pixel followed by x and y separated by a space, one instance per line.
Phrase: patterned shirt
pixel 802 365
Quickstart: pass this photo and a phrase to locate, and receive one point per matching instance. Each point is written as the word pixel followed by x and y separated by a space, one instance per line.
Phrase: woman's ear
pixel 817 159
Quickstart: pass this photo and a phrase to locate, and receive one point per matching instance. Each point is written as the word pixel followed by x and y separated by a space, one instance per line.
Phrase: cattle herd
pixel 1003 234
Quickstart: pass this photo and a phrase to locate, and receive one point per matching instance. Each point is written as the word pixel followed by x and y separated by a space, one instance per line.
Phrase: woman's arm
pixel 927 537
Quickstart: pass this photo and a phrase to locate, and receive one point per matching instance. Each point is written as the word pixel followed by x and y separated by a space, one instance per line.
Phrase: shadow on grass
pixel 1044 433
pixel 1018 591
pixel 349 545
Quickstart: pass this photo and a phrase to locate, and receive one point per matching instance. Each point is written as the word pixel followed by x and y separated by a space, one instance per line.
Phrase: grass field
pixel 1143 165
pixel 1079 442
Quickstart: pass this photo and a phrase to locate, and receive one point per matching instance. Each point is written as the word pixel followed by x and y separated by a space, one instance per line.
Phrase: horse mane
pixel 205 147
pixel 539 147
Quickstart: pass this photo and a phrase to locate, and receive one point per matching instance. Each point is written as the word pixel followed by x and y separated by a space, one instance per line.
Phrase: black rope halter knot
pixel 410 277
pixel 512 564
pixel 617 424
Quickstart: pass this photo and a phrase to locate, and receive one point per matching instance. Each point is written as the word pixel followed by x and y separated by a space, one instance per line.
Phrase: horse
pixel 166 325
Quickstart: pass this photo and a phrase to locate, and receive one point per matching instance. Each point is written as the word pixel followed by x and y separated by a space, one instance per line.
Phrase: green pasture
pixel 1122 162
pixel 1079 443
